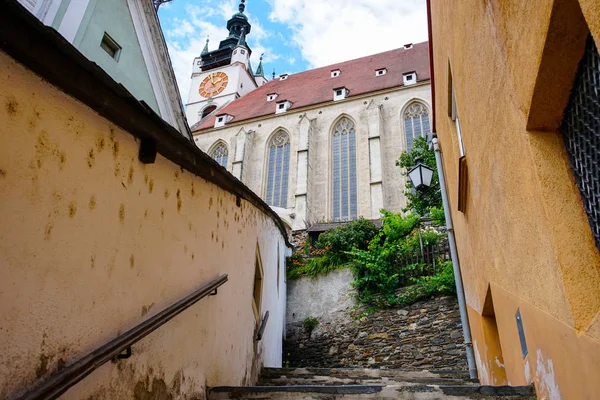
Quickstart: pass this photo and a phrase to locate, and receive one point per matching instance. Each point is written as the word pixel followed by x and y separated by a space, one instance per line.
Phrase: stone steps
pixel 351 376
pixel 331 384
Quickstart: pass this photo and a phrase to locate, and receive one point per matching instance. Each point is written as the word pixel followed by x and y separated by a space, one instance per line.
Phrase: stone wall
pixel 425 335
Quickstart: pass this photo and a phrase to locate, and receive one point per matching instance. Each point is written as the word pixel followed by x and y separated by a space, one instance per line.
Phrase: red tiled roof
pixel 316 86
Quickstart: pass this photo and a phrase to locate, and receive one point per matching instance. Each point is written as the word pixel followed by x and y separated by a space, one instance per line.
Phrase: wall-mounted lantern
pixel 421 175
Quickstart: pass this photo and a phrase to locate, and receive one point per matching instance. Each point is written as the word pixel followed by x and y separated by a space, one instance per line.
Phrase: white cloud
pixel 339 30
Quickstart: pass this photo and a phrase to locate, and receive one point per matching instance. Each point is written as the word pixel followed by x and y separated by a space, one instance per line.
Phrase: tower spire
pixel 242 7
pixel 259 70
pixel 205 46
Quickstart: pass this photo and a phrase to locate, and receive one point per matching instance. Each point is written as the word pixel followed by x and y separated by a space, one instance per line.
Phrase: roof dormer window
pixel 409 78
pixel 408 46
pixel 335 73
pixel 221 120
pixel 340 93
pixel 379 72
pixel 271 97
pixel 283 106
pixel 283 77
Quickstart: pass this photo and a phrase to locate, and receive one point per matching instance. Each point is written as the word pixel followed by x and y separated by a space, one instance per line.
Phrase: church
pixel 317 146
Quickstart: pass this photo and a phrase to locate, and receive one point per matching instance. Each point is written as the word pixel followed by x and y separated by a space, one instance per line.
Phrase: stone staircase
pixel 331 384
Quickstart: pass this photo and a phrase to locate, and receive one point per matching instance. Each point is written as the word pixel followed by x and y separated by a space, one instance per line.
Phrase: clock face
pixel 214 84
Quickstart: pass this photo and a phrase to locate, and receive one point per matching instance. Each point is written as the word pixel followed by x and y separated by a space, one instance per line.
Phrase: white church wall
pixel 380 181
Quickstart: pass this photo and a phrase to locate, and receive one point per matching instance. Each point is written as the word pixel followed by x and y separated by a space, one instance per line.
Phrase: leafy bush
pixel 427 286
pixel 295 266
pixel 310 323
pixel 331 250
pixel 377 270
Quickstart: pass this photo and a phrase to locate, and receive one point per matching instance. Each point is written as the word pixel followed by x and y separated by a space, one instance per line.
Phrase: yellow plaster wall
pixel 525 229
pixel 92 243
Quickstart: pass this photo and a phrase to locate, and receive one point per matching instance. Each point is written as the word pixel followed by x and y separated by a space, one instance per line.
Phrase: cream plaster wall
pixel 525 233
pixel 92 243
pixel 375 116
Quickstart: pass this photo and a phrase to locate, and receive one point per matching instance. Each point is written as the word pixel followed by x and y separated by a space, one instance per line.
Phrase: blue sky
pixel 294 35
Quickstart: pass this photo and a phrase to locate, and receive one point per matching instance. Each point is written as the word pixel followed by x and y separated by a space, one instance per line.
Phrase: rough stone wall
pixel 425 335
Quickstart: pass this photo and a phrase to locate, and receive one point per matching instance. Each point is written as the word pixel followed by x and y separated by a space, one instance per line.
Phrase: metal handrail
pixel 261 329
pixel 61 381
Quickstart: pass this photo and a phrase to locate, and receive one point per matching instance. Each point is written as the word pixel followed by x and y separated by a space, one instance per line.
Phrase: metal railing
pixel 261 329
pixel 425 261
pixel 60 382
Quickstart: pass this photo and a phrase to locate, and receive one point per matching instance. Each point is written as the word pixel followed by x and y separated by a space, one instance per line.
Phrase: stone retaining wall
pixel 425 335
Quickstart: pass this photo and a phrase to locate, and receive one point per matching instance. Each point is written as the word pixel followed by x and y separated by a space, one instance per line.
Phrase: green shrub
pixel 295 266
pixel 331 250
pixel 426 286
pixel 378 272
pixel 310 323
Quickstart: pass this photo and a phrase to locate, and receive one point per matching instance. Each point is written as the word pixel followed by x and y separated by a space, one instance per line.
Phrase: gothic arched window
pixel 220 154
pixel 416 123
pixel 278 166
pixel 345 204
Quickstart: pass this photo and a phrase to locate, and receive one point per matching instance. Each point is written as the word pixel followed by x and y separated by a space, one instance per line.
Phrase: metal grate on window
pixel 581 132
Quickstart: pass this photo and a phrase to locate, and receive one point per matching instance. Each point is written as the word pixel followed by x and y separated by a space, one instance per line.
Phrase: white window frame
pixel 410 78
pixel 282 106
pixel 454 113
pixel 335 73
pixel 380 72
pixel 340 96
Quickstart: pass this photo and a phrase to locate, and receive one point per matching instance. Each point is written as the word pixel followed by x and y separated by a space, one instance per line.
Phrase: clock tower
pixel 225 74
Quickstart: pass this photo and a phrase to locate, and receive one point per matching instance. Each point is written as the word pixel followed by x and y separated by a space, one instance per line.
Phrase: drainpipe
pixel 464 317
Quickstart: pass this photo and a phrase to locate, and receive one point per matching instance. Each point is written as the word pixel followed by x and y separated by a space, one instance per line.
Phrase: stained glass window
pixel 416 123
pixel 345 204
pixel 220 153
pixel 278 166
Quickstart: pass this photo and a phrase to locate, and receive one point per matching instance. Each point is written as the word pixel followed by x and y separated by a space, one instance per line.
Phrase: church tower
pixel 225 74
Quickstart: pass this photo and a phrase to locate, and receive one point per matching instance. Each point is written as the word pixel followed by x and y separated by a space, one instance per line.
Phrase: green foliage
pixel 295 266
pixel 426 286
pixel 377 270
pixel 331 250
pixel 421 202
pixel 310 323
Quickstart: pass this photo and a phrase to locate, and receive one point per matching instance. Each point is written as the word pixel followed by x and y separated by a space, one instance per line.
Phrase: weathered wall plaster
pixel 93 242
pixel 524 231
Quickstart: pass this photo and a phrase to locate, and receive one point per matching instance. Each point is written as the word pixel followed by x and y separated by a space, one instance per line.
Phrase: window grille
pixel 345 204
pixel 220 154
pixel 278 170
pixel 416 123
pixel 581 132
